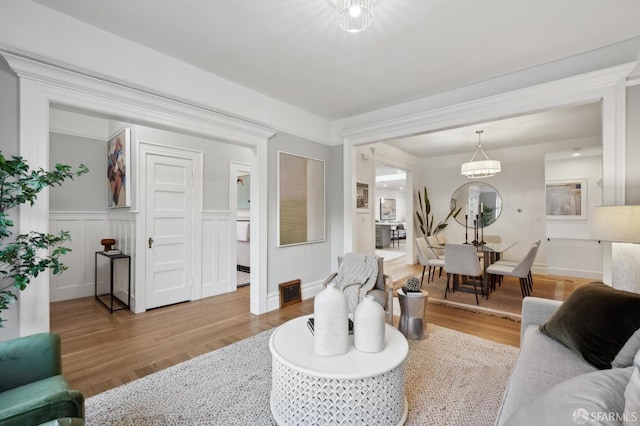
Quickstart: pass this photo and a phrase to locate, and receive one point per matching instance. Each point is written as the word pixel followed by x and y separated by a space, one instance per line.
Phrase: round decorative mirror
pixel 476 197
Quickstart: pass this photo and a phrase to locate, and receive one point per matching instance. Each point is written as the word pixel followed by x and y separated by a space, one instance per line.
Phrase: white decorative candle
pixel 369 326
pixel 331 322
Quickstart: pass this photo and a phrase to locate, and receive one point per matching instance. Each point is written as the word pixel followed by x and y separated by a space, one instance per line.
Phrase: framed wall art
pixel 118 166
pixel 566 199
pixel 301 200
pixel 362 197
pixel 387 209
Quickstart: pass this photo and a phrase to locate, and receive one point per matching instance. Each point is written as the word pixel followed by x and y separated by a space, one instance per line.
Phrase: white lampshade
pixel 480 169
pixel 620 224
pixel 483 167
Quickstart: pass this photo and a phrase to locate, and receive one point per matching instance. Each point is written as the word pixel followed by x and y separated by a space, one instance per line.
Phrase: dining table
pixel 491 252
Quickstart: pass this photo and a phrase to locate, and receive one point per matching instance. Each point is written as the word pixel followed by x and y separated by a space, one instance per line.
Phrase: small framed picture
pixel 118 166
pixel 362 197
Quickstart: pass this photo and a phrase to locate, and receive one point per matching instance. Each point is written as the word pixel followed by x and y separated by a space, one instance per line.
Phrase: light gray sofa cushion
pixel 624 358
pixel 593 398
pixel 541 364
pixel 632 395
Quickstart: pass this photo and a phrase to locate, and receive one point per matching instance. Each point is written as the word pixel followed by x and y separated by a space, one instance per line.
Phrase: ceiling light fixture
pixel 354 15
pixel 482 167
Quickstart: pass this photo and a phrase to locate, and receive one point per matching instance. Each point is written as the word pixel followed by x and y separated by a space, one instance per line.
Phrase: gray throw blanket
pixel 356 276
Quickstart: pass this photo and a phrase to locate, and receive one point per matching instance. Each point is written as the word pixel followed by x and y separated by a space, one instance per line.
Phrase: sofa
pixel 32 388
pixel 559 381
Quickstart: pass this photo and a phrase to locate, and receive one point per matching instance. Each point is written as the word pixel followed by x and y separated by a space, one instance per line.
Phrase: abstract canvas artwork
pixel 387 209
pixel 118 194
pixel 566 199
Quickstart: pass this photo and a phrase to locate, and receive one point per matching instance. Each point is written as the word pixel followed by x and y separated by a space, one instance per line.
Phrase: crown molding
pixel 563 92
pixel 109 97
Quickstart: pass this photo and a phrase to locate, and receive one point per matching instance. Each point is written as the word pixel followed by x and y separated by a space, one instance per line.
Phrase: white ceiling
pixel 561 124
pixel 557 125
pixel 395 178
pixel 295 52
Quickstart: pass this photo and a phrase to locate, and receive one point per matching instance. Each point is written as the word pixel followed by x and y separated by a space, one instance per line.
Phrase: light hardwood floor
pixel 103 350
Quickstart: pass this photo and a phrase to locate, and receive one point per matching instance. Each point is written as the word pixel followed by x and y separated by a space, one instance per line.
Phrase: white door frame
pixel 396 158
pixel 196 158
pixel 41 85
pixel 235 168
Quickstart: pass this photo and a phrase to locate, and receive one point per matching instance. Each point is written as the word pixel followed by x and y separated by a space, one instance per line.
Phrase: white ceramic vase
pixel 331 322
pixel 369 326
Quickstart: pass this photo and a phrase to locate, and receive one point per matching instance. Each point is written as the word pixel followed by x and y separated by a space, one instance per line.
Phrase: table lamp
pixel 621 226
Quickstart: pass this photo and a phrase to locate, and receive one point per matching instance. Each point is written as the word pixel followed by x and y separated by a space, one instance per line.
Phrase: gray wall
pixel 632 188
pixel 9 128
pixel 307 262
pixel 84 193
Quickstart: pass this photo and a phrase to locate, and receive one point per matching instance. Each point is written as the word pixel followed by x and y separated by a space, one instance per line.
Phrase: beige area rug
pixel 451 379
pixel 505 301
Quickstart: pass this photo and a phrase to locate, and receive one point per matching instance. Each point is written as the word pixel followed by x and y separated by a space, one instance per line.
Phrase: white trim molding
pixel 580 89
pixel 218 256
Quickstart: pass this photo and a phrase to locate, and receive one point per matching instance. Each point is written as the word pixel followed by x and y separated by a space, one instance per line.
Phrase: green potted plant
pixel 425 217
pixel 24 257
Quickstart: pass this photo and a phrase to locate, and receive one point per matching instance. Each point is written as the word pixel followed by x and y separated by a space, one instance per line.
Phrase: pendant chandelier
pixel 482 167
pixel 354 15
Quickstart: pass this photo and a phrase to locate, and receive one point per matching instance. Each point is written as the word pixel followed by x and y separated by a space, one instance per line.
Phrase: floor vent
pixel 290 293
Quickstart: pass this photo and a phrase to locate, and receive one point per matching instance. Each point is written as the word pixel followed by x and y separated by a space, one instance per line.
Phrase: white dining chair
pixel 521 270
pixel 462 260
pixel 510 262
pixel 428 257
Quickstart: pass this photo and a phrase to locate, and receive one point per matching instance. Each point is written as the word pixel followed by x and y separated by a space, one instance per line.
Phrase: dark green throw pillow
pixel 595 321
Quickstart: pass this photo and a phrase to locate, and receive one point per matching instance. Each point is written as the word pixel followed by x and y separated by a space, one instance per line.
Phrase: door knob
pixel 150 242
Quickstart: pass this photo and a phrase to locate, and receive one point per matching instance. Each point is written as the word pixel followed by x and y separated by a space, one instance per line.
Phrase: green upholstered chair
pixel 32 388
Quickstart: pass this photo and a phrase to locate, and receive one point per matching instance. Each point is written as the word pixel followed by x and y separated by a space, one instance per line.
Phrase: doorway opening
pixel 390 201
pixel 240 206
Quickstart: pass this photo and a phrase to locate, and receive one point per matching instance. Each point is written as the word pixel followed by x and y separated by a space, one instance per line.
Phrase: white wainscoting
pixel 87 229
pixel 218 253
pixel 122 228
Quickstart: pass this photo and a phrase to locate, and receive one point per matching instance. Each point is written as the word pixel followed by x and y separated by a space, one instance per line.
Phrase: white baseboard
pixel 592 275
pixel 73 292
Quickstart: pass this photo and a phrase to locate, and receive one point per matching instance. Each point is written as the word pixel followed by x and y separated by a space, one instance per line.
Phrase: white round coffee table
pixel 356 388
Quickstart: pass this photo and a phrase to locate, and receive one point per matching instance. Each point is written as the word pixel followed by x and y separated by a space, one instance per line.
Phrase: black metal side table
pixel 113 280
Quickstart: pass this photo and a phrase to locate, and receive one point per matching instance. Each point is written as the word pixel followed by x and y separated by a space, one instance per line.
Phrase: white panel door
pixel 169 207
